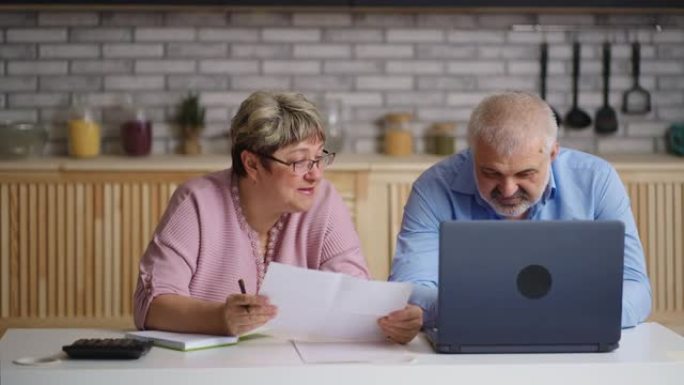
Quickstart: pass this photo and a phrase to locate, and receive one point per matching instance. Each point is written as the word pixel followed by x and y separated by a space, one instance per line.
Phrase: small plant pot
pixel 192 146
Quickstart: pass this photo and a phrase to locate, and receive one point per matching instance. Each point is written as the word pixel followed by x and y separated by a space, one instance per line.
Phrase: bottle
pixel 441 138
pixel 84 132
pixel 398 137
pixel 136 130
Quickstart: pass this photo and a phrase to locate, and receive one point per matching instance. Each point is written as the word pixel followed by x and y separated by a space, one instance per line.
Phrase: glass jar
pixel 441 138
pixel 21 139
pixel 136 131
pixel 398 136
pixel 84 132
pixel 331 114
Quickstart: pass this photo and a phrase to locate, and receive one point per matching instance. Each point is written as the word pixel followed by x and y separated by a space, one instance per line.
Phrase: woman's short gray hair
pixel 508 120
pixel 268 121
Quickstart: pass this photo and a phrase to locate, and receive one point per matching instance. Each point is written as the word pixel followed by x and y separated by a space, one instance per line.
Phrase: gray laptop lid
pixel 529 286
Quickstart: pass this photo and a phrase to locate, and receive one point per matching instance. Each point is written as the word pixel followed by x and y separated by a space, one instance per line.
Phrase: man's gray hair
pixel 509 120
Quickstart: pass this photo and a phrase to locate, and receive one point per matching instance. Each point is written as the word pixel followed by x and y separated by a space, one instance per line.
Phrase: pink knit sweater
pixel 200 249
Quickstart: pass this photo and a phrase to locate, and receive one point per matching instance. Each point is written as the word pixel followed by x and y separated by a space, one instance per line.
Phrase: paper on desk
pixel 380 352
pixel 317 305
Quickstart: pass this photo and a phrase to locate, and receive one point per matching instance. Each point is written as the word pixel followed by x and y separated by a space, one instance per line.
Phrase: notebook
pixel 529 286
pixel 183 341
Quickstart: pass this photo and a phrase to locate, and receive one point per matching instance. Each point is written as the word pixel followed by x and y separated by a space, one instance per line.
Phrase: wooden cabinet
pixel 71 236
pixel 72 232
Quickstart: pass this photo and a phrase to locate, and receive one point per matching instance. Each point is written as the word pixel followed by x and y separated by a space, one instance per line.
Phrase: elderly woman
pixel 273 205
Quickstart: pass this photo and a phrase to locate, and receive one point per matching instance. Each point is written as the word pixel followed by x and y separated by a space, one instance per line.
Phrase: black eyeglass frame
pixel 328 158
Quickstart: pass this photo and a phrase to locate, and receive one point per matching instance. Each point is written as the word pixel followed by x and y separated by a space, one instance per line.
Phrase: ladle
pixel 544 59
pixel 576 118
pixel 606 118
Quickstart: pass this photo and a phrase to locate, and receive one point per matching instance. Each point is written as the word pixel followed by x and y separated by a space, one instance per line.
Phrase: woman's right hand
pixel 245 312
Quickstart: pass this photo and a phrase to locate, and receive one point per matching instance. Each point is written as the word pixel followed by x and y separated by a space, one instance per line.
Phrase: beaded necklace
pixel 261 261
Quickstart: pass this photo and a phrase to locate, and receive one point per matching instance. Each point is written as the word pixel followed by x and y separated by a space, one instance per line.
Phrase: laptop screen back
pixel 530 285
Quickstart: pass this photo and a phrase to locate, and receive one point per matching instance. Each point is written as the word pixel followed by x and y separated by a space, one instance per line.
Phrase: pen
pixel 241 283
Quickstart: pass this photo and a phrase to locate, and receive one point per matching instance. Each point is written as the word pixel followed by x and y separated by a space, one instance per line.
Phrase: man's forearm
pixel 636 303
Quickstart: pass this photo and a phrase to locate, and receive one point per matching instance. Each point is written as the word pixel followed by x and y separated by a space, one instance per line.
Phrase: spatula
pixel 576 118
pixel 606 119
pixel 636 100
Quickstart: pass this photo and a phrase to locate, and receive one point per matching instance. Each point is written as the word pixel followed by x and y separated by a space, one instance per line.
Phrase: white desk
pixel 648 354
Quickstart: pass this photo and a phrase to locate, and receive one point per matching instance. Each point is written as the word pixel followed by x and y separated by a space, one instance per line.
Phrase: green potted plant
pixel 190 119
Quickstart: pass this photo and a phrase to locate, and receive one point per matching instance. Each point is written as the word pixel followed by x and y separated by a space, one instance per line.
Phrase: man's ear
pixel 555 149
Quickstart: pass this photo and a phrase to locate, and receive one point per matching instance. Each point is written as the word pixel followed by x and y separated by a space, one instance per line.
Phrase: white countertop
pixel 648 354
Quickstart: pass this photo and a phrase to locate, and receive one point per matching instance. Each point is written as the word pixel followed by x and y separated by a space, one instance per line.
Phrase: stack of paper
pixel 182 341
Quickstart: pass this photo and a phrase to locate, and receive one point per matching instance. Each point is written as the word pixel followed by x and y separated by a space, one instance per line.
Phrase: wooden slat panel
pixel 61 250
pixel 70 282
pixel 660 248
pixel 141 210
pixel 163 198
pixel 147 220
pixel 154 207
pixel 127 219
pixel 52 249
pixel 79 240
pixel 108 246
pixel 88 251
pixel 650 247
pixel 668 245
pixel 98 278
pixel 42 222
pixel 24 237
pixel 15 268
pixel 116 250
pixel 678 234
pixel 172 189
pixel 4 251
pixel 398 195
pixel 33 249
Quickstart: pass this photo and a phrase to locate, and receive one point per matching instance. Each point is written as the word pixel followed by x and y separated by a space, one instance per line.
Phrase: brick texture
pixel 437 66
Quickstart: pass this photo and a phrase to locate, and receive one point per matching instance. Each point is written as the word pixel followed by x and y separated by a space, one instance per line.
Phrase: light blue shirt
pixel 581 186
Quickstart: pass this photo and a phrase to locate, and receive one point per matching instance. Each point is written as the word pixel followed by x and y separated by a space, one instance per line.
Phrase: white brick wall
pixel 436 66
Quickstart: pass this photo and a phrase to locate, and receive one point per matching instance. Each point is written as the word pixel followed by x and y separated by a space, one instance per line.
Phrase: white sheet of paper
pixel 381 352
pixel 317 305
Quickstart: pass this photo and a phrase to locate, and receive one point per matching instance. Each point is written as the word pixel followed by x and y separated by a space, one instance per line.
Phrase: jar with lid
pixel 398 136
pixel 440 138
pixel 136 130
pixel 84 131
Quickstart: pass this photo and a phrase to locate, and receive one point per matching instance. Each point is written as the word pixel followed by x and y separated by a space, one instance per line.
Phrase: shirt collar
pixel 463 174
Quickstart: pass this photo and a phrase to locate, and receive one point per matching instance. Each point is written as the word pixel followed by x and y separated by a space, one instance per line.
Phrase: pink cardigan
pixel 200 250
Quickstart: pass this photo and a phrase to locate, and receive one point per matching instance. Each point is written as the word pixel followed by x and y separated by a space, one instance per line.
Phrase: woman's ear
pixel 251 163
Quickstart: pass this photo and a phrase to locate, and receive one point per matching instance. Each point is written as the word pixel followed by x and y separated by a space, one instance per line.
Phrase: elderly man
pixel 515 170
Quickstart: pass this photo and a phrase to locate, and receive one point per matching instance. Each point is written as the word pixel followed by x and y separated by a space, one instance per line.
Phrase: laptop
pixel 529 286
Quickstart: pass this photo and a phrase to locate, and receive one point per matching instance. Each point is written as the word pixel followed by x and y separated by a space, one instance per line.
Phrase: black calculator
pixel 107 348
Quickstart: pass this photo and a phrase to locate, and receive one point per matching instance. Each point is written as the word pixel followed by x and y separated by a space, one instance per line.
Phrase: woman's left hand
pixel 402 325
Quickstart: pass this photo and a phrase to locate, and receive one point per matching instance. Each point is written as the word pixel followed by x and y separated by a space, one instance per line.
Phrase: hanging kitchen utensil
pixel 576 118
pixel 606 120
pixel 636 100
pixel 544 59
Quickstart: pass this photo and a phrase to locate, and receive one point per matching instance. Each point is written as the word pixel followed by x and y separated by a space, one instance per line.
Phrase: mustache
pixel 520 194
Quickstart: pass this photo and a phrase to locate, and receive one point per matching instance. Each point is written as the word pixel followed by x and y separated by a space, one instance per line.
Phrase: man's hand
pixel 245 312
pixel 402 325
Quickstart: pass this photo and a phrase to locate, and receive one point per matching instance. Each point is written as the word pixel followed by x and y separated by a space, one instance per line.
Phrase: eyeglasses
pixel 301 167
